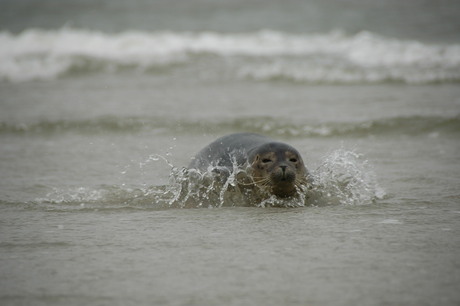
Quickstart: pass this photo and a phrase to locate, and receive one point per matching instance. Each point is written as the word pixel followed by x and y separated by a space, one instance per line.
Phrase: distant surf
pixel 399 125
pixel 331 58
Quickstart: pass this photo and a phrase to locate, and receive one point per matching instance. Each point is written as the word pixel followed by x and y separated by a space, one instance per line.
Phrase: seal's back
pixel 227 150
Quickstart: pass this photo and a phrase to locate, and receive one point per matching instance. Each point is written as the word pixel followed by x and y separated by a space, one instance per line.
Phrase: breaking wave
pixel 264 56
pixel 411 125
pixel 343 178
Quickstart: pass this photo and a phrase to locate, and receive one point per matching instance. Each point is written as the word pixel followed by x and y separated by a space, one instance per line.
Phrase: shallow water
pixel 94 137
pixel 80 206
pixel 345 255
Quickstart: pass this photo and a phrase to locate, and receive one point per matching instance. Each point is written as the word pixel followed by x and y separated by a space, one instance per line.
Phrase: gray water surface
pixel 103 103
pixel 358 255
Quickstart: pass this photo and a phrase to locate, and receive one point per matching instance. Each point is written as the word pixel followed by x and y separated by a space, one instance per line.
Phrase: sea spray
pixel 344 177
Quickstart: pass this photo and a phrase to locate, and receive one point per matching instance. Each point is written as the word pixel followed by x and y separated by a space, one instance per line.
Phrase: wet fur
pixel 273 167
pixel 277 169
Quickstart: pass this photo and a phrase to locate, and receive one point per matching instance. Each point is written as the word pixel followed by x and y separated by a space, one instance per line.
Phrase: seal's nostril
pixel 283 174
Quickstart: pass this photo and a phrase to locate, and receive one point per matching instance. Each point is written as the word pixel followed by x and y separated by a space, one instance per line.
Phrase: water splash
pixel 346 178
pixel 343 178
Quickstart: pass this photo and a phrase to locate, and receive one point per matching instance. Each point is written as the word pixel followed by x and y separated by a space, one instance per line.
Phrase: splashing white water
pixel 344 178
pixel 264 55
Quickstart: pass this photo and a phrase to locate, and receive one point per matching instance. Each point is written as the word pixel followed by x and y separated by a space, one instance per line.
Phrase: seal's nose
pixel 283 169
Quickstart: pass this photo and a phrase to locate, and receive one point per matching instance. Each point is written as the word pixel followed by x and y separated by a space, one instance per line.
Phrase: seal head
pixel 277 168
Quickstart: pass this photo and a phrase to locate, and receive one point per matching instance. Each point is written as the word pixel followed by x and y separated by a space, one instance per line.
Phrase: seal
pixel 273 167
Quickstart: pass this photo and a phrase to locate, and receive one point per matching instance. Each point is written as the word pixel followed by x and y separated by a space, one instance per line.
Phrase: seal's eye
pixel 266 160
pixel 293 160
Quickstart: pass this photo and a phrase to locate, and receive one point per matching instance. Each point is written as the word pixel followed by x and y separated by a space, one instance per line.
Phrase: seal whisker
pixel 263 182
pixel 256 181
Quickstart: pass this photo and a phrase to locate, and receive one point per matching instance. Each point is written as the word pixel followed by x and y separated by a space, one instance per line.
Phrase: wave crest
pixel 412 125
pixel 264 55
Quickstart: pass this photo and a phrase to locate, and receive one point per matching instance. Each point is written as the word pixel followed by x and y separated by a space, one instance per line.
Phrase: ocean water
pixel 102 105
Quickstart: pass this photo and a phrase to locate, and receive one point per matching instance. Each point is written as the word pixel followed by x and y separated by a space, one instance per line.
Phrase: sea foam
pixel 264 55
